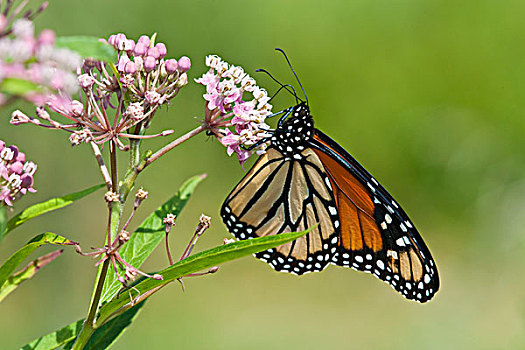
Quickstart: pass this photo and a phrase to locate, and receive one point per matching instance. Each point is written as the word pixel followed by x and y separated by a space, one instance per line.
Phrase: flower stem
pixel 171 146
pixel 89 327
pixel 114 174
pixel 115 211
pixel 132 173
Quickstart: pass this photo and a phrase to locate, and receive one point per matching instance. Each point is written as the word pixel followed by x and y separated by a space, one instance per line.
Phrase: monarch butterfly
pixel 305 178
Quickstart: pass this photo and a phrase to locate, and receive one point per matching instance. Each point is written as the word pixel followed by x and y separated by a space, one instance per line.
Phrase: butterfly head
pixel 294 133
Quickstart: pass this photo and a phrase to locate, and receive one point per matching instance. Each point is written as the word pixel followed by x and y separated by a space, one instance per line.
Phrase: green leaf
pixel 45 207
pixel 3 221
pixel 149 234
pixel 26 273
pixel 102 338
pixel 197 262
pixel 55 339
pixel 88 47
pixel 19 87
pixel 45 238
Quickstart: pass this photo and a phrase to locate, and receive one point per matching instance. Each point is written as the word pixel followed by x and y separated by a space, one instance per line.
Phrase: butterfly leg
pixel 257 144
pixel 287 111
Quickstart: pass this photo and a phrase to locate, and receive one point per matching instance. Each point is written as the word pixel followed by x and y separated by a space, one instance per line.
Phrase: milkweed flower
pixel 16 174
pixel 140 81
pixel 236 108
pixel 35 59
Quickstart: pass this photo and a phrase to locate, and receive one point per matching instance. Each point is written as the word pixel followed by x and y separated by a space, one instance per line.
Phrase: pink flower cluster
pixel 36 59
pixel 145 55
pixel 16 174
pixel 236 120
pixel 140 82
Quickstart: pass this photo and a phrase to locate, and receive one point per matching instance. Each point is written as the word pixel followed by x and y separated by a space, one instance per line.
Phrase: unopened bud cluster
pixel 16 174
pixel 150 77
pixel 120 98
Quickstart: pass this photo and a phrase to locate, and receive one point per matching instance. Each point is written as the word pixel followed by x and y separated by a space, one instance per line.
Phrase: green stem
pixel 89 328
pixel 132 173
pixel 115 213
pixel 115 210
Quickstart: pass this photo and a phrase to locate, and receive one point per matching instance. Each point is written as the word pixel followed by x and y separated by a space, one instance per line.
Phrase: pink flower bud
pixel 130 68
pixel 139 62
pixel 149 63
pixel 86 81
pixel 144 39
pixel 120 38
pixel 122 63
pixel 2 145
pixel 162 49
pixel 16 167
pixel 126 45
pixel 171 66
pixel 77 108
pixel 140 49
pixel 47 37
pixel 112 40
pixel 21 157
pixel 154 52
pixel 184 64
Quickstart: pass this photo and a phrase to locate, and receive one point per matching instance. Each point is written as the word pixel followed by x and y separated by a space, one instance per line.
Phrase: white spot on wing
pixel 328 184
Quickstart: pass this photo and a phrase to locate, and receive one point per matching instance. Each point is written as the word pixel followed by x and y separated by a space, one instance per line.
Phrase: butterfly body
pixel 306 179
pixel 294 134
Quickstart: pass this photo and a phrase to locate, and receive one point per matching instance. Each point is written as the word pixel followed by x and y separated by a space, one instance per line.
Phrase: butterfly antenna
pixel 282 85
pixel 296 77
pixel 285 87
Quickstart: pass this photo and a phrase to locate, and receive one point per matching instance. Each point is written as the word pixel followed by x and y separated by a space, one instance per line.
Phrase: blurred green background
pixel 428 95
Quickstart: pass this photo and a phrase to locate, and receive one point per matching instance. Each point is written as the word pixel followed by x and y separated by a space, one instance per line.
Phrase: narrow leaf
pixel 198 262
pixel 26 273
pixel 3 220
pixel 149 234
pixel 45 238
pixel 105 336
pixel 102 338
pixel 45 207
pixel 56 339
pixel 19 87
pixel 89 47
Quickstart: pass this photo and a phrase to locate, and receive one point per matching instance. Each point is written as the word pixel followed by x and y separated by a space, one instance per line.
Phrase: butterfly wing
pixel 375 235
pixel 284 194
